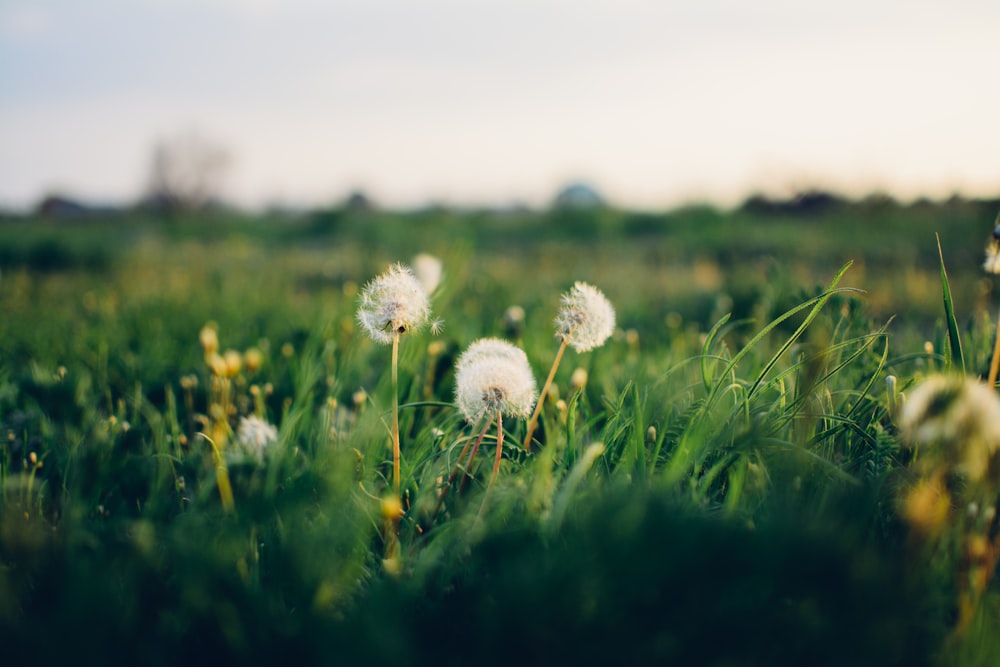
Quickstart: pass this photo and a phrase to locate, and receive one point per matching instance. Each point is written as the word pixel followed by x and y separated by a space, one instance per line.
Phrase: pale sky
pixel 655 102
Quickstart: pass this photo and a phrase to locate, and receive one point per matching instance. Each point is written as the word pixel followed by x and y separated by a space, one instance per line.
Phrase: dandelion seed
pixel 393 303
pixel 586 318
pixel 492 376
pixel 255 435
pixel 957 419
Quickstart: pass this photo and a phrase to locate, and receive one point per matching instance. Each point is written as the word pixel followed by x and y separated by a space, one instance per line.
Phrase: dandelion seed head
pixel 255 435
pixel 957 420
pixel 393 303
pixel 586 318
pixel 428 271
pixel 494 376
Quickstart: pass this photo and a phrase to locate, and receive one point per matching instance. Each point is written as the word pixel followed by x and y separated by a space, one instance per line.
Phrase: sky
pixel 493 102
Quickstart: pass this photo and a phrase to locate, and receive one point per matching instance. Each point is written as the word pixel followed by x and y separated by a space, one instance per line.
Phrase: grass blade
pixel 956 359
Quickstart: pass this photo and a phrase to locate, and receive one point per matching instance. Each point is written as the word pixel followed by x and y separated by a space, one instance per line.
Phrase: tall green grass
pixel 721 490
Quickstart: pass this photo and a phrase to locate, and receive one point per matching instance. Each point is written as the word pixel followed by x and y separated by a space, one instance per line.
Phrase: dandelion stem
pixel 496 461
pixel 475 449
pixel 395 412
pixel 995 363
pixel 496 465
pixel 533 422
pixel 458 466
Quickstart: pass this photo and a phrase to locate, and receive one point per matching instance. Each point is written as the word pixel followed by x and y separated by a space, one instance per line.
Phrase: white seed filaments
pixel 255 435
pixel 585 321
pixel 955 420
pixel 493 377
pixel 586 318
pixel 393 304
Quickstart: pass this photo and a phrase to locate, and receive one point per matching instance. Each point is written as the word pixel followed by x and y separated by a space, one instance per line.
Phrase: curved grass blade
pixel 957 359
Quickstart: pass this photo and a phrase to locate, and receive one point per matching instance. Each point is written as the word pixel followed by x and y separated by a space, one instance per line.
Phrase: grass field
pixel 725 481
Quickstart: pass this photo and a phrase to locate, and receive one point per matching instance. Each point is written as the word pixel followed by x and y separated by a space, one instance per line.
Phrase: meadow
pixel 721 482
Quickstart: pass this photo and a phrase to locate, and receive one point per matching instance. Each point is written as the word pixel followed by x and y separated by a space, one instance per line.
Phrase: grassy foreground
pixel 720 483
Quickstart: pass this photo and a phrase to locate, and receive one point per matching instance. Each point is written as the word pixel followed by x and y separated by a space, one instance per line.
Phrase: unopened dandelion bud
pixel 436 348
pixel 393 304
pixel 234 362
pixel 209 339
pixel 977 547
pixel 391 508
pixel 586 318
pixel 359 397
pixel 217 364
pixel 254 359
pixel 579 379
pixel 392 566
pixel 650 435
pixel 563 410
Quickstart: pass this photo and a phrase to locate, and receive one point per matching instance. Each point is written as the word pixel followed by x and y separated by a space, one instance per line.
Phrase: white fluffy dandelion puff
pixel 492 376
pixel 255 435
pixel 393 303
pixel 586 318
pixel 957 420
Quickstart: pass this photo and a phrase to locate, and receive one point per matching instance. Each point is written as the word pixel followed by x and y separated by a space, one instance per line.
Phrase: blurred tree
pixel 186 174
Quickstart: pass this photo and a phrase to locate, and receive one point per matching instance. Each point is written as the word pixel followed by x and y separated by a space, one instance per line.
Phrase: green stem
pixel 533 422
pixel 995 363
pixel 496 461
pixel 395 413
